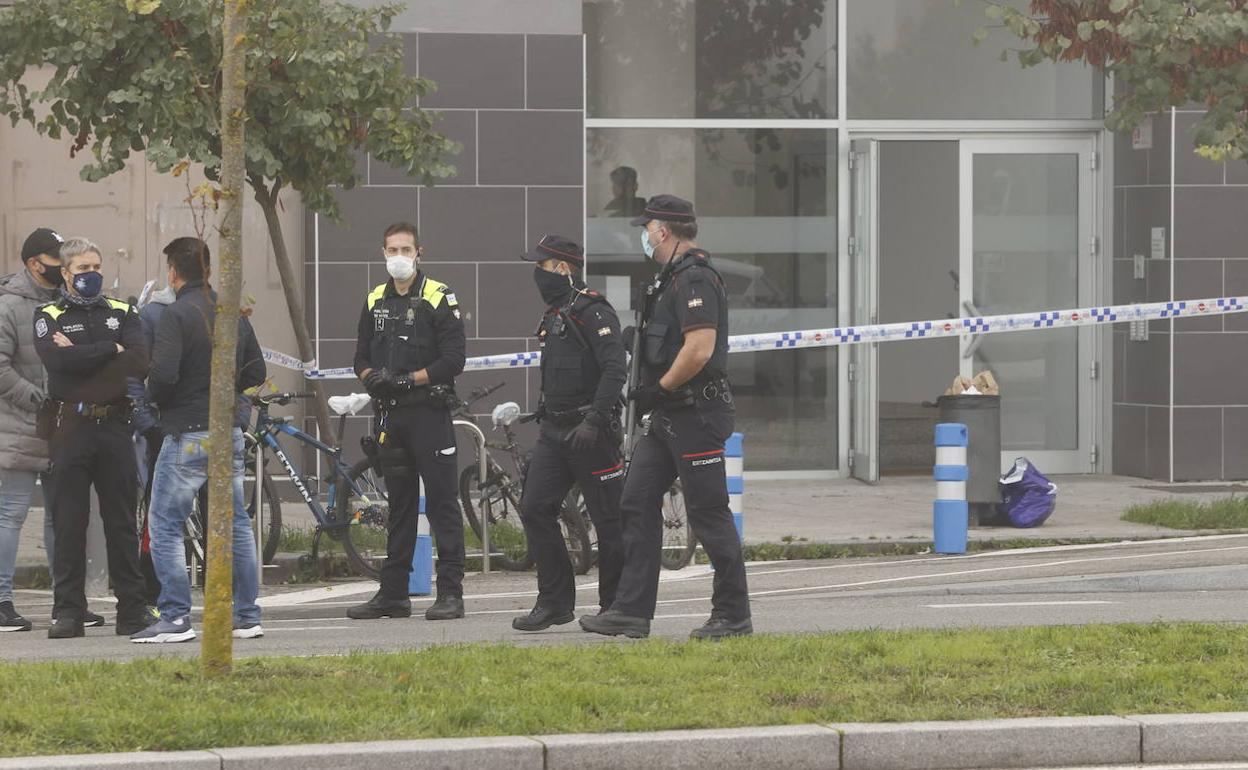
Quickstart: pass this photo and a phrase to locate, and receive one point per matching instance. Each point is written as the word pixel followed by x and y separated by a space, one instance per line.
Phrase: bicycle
pixel 497 500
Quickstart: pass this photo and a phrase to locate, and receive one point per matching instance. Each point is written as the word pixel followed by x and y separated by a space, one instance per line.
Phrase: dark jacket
pixel 583 361
pixel 418 330
pixel 22 381
pixel 689 295
pixel 149 314
pixel 178 383
pixel 91 370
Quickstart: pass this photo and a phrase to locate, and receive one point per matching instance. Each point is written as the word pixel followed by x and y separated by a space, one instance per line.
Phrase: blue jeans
pixel 16 489
pixel 181 470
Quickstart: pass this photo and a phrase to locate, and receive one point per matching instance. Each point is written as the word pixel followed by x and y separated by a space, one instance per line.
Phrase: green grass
pixel 799 548
pixel 467 690
pixel 1225 514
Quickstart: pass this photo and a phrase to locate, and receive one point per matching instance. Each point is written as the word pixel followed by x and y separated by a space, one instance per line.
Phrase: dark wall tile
pixel 556 210
pixel 1120 251
pixel 342 291
pixel 1190 168
pixel 1235 443
pixel 1197 444
pixel 1211 369
pixel 1143 209
pixel 1130 447
pixel 1146 365
pixel 533 148
pixel 469 224
pixel 515 383
pixel 1157 427
pixel 1159 155
pixel 457 125
pixel 473 70
pixel 1120 365
pixel 554 72
pixel 1130 166
pixel 1198 279
pixel 366 213
pixel 1237 172
pixel 1127 288
pixel 1157 280
pixel 510 306
pixel 1236 285
pixel 1210 222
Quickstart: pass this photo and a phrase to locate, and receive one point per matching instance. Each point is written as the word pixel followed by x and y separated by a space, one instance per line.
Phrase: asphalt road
pixel 1193 579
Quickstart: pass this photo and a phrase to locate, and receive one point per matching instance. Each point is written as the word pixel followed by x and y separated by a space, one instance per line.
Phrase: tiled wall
pixel 514 102
pixel 1210 364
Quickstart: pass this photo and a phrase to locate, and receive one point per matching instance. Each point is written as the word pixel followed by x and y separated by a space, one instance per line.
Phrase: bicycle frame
pixel 267 430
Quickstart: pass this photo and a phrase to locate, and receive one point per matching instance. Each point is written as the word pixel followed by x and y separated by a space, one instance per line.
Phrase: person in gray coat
pixel 23 455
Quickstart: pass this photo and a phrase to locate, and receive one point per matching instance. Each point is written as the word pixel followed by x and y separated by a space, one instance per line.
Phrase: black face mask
pixel 553 287
pixel 51 273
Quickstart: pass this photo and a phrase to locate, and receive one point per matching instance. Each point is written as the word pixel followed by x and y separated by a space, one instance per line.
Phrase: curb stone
pixel 1104 741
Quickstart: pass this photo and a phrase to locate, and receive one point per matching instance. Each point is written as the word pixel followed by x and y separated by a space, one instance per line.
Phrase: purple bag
pixel 1027 497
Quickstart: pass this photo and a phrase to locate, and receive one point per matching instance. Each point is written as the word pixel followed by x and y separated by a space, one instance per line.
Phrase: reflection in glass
pixel 915 59
pixel 1026 252
pixel 766 203
pixel 711 58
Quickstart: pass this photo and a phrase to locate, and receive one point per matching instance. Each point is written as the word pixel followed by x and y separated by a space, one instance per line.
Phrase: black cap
pixel 556 247
pixel 666 208
pixel 42 241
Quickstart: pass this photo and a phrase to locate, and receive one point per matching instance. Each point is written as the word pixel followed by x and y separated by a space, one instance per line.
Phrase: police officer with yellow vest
pixel 90 344
pixel 409 349
pixel 583 374
pixel 684 388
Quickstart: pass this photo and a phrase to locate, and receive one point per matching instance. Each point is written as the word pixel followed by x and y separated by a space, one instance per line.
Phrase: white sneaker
pixel 248 632
pixel 166 631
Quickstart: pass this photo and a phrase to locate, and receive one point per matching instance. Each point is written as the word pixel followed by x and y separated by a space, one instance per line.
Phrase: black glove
pixel 585 436
pixel 400 382
pixel 628 336
pixel 651 397
pixel 377 382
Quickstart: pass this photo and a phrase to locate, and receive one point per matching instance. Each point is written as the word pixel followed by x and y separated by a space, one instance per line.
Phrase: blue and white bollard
pixel 950 513
pixel 420 581
pixel 734 466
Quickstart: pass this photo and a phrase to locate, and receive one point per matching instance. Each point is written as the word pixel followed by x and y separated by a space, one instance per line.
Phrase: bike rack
pixel 479 437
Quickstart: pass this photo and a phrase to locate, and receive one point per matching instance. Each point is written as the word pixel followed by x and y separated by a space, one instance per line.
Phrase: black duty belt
pixel 715 388
pixel 566 417
pixel 120 411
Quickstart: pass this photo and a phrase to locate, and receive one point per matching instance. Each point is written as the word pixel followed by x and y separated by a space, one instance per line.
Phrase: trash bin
pixel 982 417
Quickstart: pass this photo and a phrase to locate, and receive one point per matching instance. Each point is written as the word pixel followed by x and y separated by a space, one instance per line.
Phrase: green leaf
pixel 1084 30
pixel 981 33
pixel 993 11
pixel 142 7
pixel 1118 6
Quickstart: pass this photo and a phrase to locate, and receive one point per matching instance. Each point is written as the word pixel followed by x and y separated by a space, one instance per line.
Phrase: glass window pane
pixel 711 58
pixel 766 203
pixel 915 59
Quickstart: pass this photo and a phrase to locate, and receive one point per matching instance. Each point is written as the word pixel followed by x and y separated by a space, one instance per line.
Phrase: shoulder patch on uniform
pixel 604 331
pixel 695 302
pixel 117 304
pixel 52 309
pixel 41 327
pixel 375 295
pixel 450 297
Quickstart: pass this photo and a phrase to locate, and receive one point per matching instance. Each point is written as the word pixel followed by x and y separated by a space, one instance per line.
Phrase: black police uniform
pixel 583 374
pixel 686 439
pixel 90 444
pixel 405 333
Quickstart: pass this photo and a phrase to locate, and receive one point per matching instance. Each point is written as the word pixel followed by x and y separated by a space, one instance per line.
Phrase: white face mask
pixel 400 268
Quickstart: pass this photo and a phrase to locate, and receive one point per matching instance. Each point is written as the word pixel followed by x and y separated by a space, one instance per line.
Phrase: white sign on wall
pixel 1142 136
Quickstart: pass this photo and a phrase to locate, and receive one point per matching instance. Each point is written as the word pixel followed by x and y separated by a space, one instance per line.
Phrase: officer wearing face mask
pixel 583 374
pixel 410 348
pixel 90 344
pixel 684 389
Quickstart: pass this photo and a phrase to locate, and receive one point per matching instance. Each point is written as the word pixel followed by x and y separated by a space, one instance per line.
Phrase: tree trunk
pixel 294 303
pixel 217 650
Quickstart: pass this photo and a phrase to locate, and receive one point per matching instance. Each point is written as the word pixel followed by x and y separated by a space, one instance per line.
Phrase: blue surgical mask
pixel 88 285
pixel 646 245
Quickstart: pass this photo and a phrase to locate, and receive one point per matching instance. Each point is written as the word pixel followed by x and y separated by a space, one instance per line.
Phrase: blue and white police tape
pixel 950 512
pixel 420 581
pixel 734 467
pixel 850 335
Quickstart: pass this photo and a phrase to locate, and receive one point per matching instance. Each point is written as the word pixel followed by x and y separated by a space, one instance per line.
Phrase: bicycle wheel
pixel 678 540
pixel 573 524
pixel 498 502
pixel 364 539
pixel 272 514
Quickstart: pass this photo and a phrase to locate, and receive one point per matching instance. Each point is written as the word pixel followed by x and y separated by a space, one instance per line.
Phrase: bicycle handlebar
pixel 479 394
pixel 280 399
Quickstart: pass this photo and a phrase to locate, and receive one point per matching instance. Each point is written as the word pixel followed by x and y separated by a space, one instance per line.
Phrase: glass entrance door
pixel 1026 244
pixel 864 459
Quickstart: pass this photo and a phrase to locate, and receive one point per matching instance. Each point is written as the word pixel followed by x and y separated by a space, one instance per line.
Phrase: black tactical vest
pixel 570 372
pixel 661 329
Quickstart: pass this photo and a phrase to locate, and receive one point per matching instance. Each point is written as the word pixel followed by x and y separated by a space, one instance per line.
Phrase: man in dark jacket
pixel 178 384
pixel 23 455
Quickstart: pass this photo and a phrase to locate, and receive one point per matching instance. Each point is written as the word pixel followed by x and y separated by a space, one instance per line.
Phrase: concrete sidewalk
pixel 896 509
pixel 1155 741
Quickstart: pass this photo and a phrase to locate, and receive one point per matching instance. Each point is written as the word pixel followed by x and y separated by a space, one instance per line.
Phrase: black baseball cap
pixel 666 208
pixel 556 247
pixel 42 241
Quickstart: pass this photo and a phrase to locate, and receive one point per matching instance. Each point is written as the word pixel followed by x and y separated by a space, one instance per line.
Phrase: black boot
pixel 66 627
pixel 616 623
pixel 381 607
pixel 720 628
pixel 11 620
pixel 447 607
pixel 542 618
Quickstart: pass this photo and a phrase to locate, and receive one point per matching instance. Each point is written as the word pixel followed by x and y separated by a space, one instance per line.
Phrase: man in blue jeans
pixel 177 385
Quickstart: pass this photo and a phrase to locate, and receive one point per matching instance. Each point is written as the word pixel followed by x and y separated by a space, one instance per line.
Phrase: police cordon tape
pixel 853 335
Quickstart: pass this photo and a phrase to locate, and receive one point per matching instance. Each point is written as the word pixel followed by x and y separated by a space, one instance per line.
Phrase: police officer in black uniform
pixel 684 387
pixel 409 350
pixel 90 344
pixel 583 374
